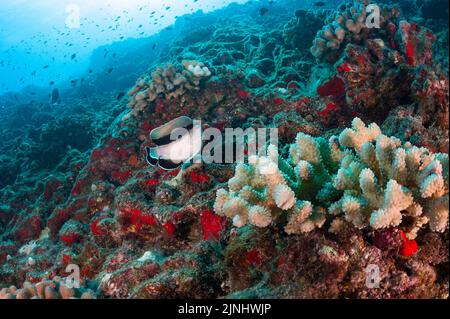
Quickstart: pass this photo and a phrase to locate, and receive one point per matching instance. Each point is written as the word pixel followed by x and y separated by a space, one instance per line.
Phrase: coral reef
pixel 384 70
pixel 351 24
pixel 41 137
pixel 46 289
pixel 167 82
pixel 309 219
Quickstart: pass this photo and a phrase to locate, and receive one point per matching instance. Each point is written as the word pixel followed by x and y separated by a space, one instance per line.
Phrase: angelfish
pixel 177 142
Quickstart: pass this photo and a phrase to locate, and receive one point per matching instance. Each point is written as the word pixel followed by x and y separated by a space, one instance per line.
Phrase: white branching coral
pixel 269 188
pixel 168 83
pixel 351 20
pixel 369 179
pixel 385 181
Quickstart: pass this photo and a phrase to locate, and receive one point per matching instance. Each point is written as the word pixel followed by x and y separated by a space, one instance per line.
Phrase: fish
pixel 120 95
pixel 169 153
pixel 300 13
pixel 55 97
pixel 319 4
pixel 263 11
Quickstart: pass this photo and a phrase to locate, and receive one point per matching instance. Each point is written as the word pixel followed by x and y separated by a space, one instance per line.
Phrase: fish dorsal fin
pixel 161 135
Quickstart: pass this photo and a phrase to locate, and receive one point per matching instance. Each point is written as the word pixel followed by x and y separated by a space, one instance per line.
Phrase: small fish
pixel 153 46
pixel 73 56
pixel 55 97
pixel 300 13
pixel 120 95
pixel 319 4
pixel 169 153
pixel 263 11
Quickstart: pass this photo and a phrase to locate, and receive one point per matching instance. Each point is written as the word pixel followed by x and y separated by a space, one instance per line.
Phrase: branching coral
pixel 369 178
pixel 260 192
pixel 167 82
pixel 46 289
pixel 397 68
pixel 385 182
pixel 349 25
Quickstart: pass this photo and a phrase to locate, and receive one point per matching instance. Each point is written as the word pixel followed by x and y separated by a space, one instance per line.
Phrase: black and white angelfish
pixel 177 142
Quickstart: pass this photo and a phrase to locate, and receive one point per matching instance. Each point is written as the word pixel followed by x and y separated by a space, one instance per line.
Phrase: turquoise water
pixel 39 38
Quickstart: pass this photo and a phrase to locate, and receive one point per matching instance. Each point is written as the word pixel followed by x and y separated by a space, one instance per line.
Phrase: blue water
pixel 38 39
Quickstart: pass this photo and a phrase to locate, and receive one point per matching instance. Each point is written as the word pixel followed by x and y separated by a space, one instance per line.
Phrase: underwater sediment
pixel 359 179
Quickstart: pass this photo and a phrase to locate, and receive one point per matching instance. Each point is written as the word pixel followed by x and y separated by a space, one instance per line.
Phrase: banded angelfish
pixel 177 142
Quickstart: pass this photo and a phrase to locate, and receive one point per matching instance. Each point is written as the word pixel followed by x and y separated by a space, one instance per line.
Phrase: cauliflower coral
pixel 368 178
pixel 351 24
pixel 167 82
